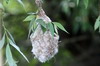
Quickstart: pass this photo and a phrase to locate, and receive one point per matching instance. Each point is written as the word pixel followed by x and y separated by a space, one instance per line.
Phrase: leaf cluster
pixel 9 40
pixel 50 26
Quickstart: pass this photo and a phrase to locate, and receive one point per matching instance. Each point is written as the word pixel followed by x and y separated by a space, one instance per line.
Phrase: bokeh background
pixel 79 48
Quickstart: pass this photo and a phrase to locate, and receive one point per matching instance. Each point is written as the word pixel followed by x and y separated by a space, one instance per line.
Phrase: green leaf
pixel 97 23
pixel 9 57
pixel 17 48
pixel 41 22
pixel 2 41
pixel 51 28
pixel 60 26
pixel 31 25
pixel 11 37
pixel 86 3
pixel 21 3
pixel 29 18
pixel 77 2
pixel 43 29
pixel 55 27
pixel 29 32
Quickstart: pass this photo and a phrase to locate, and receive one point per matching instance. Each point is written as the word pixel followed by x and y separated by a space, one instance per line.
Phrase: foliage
pixel 49 26
pixel 9 57
pixel 8 38
pixel 97 24
pixel 2 41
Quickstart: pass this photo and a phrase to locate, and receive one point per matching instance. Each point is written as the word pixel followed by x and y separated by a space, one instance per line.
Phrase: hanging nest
pixel 44 45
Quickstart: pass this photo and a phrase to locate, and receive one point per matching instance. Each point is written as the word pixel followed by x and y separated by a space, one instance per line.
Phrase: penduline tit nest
pixel 44 45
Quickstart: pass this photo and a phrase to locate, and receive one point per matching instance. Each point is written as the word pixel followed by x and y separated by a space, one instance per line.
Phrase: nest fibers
pixel 45 46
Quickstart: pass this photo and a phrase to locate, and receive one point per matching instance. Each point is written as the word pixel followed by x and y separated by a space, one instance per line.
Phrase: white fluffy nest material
pixel 45 46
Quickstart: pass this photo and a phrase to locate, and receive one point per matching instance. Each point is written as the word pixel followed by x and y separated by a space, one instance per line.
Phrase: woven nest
pixel 45 46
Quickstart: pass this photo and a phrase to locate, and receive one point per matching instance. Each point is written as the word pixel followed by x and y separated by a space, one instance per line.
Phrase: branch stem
pixel 1 54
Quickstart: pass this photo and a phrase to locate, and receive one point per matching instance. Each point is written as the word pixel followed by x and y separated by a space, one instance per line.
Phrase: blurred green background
pixel 79 48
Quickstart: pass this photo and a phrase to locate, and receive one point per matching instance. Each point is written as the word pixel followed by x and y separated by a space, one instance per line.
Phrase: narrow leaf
pixel 97 23
pixel 86 3
pixel 9 57
pixel 17 48
pixel 2 41
pixel 32 22
pixel 51 28
pixel 21 3
pixel 31 26
pixel 60 26
pixel 29 18
pixel 77 2
pixel 29 32
pixel 55 27
pixel 43 29
pixel 11 37
pixel 41 22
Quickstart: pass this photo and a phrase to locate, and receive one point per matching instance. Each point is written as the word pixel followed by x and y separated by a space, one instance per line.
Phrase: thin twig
pixel 39 3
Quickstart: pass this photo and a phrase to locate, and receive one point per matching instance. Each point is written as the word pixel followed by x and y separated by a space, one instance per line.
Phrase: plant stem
pixel 1 54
